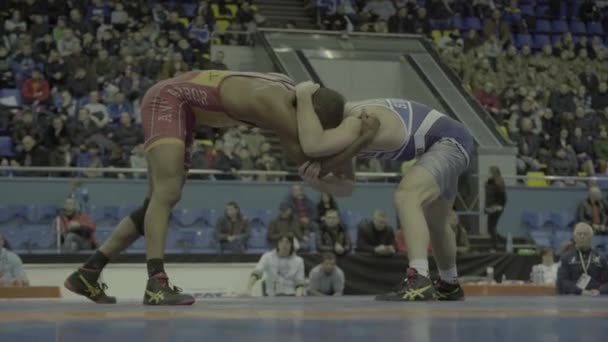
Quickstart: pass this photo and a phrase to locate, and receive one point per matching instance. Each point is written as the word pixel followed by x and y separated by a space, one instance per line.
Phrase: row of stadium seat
pixel 180 217
pixel 31 238
pixel 547 221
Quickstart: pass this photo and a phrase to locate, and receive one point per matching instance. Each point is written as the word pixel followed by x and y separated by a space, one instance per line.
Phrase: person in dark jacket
pixel 496 198
pixel 333 235
pixel 232 230
pixel 583 271
pixel 326 203
pixel 376 236
pixel 593 211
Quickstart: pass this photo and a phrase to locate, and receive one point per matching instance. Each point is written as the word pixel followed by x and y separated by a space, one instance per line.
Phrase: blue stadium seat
pixel 578 27
pixel 541 10
pixel 111 212
pixel 187 217
pixel 257 241
pixel 97 213
pixel 555 39
pixel 472 23
pixel 17 211
pixel 6 147
pixel 542 238
pixel 533 220
pixel 312 242
pixel 267 215
pixel 5 214
pixel 522 40
pixel 210 217
pixel 40 213
pixel 595 28
pixel 542 26
pixel 352 233
pixel 540 41
pixel 40 236
pixel 190 9
pixel 527 10
pixel 562 220
pixel 138 246
pixel 457 22
pixel 18 238
pixel 11 96
pixel 126 210
pixel 559 26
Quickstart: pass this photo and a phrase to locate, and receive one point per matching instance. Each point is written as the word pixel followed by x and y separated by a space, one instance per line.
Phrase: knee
pixel 168 194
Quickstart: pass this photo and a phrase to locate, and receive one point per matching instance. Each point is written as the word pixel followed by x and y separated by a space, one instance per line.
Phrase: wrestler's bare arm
pixel 315 141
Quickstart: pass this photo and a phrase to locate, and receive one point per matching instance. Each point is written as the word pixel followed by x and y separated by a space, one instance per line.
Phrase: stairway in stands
pixel 280 12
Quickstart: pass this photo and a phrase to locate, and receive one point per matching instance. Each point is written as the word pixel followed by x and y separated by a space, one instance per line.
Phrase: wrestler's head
pixel 329 106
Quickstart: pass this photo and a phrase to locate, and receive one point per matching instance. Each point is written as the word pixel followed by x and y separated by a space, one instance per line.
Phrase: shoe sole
pixel 398 299
pixel 67 285
pixel 182 303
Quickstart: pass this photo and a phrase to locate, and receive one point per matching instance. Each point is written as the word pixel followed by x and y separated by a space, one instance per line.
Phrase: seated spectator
pixel 460 232
pixel 266 162
pixel 546 272
pixel 282 270
pixel 582 147
pixel 90 158
pixel 376 236
pixel 76 228
pixel 563 101
pixel 98 111
pixel 380 9
pixel 232 230
pixel 326 202
pixel 422 23
pixel 593 211
pixel 528 145
pixel 26 127
pixel 254 140
pixel 583 271
pixel 228 161
pixel 326 279
pixel 35 90
pixel 126 134
pixel 61 156
pixel 55 132
pixel 80 83
pixel 117 159
pixel 333 235
pixel 303 207
pixel 402 22
pixel 561 165
pixel 600 100
pixel 287 224
pixel 118 106
pixel 32 154
pixel 11 267
pixel 600 147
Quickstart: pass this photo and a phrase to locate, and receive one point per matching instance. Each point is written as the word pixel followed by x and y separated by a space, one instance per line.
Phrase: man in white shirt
pixel 545 273
pixel 11 267
pixel 282 270
pixel 326 279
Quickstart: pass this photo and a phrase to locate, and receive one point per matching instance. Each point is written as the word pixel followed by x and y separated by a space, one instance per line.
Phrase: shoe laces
pixel 164 282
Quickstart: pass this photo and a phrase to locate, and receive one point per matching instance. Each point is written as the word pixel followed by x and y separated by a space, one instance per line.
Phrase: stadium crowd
pixel 537 66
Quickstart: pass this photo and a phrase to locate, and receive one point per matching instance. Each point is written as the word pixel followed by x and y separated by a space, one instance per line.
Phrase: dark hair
pixel 328 257
pixel 329 106
pixel 291 243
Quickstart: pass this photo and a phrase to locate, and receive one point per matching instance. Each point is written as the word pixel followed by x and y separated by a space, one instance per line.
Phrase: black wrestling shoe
pixel 158 292
pixel 415 287
pixel 85 282
pixel 448 292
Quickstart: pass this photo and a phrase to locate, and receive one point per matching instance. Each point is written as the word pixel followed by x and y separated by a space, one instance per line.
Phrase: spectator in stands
pixel 422 25
pixel 326 202
pixel 380 9
pixel 495 26
pixel 402 22
pixel 376 236
pixel 333 235
pixel 104 66
pixel 583 271
pixel 254 140
pixel 98 111
pixel 32 154
pixel 91 158
pixel 232 230
pixel 11 266
pixel 26 127
pixel 561 165
pixel 118 106
pixel 287 224
pixel 61 156
pixel 600 147
pixel 488 98
pixel 496 199
pixel 228 161
pixel 528 145
pixel 55 132
pixel 582 147
pixel 563 101
pixel 217 63
pixel 83 128
pixel 600 100
pixel 56 69
pixel 593 211
pixel 304 208
pixel 35 90
pixel 282 270
pixel 117 159
pixel 119 17
pixel 80 83
pixel 126 134
pixel 545 273
pixel 76 228
pixel 326 279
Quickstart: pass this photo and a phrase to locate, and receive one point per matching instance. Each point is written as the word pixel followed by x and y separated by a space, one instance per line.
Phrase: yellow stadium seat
pixel 503 130
pixel 184 21
pixel 221 25
pixel 537 182
pixel 436 34
pixel 231 8
pixel 582 174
